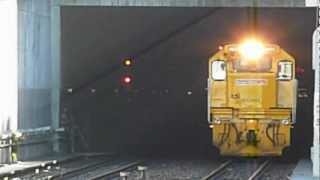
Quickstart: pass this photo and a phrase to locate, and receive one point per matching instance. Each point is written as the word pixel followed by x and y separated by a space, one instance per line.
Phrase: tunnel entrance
pixel 164 109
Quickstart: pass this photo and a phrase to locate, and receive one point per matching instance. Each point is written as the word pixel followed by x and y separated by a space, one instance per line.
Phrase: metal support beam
pixel 185 3
pixel 55 76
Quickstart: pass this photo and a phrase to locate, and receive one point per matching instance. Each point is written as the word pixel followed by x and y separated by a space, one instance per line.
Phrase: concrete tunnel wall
pixel 157 113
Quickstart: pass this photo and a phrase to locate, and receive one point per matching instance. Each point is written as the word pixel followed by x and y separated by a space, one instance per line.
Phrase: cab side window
pixel 285 69
pixel 218 70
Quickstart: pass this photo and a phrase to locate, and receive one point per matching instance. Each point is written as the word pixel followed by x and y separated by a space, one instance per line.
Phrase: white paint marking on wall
pixel 8 65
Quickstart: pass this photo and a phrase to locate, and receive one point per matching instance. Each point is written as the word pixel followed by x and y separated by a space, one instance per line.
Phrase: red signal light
pixel 127 79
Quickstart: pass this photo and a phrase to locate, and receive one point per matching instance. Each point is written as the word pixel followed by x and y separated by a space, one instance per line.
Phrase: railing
pixel 10 142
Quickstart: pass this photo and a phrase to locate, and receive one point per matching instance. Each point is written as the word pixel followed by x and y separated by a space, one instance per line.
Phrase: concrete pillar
pixel 8 72
pixel 34 73
pixel 55 71
pixel 34 63
pixel 8 65
pixel 315 150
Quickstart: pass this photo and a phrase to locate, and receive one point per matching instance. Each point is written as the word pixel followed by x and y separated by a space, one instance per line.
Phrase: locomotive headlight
pixel 285 122
pixel 217 121
pixel 252 49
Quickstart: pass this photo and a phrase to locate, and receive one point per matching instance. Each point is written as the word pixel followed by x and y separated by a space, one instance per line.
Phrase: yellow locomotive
pixel 251 99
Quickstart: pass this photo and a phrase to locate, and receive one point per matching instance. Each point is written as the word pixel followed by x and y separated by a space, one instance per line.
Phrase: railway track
pixel 79 170
pixel 82 168
pixel 247 170
pixel 277 169
pixel 218 170
pixel 260 170
pixel 112 167
pixel 97 170
pixel 115 171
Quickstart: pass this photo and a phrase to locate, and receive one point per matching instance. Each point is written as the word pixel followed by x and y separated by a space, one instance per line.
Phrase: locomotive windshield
pixel 264 64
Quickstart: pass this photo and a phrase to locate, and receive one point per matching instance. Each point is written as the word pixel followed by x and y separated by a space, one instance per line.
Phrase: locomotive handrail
pixel 209 101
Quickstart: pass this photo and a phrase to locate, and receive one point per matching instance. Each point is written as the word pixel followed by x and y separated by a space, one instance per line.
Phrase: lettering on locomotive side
pixel 256 100
pixel 250 82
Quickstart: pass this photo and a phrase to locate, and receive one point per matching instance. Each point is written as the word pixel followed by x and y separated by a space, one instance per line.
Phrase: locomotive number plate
pixel 251 82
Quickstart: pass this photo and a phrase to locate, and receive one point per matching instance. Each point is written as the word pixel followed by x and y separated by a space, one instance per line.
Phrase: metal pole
pixel 315 150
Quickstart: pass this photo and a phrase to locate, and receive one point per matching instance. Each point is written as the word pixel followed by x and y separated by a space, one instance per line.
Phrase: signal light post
pixel 126 80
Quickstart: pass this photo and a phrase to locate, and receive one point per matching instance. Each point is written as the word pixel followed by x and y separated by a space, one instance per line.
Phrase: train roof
pixel 233 49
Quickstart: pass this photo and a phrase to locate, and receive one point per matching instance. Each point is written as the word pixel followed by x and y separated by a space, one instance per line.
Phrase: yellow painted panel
pixel 218 94
pixel 285 94
pixel 252 90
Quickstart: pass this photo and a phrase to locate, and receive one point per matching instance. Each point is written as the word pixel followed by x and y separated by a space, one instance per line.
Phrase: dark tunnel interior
pixel 164 110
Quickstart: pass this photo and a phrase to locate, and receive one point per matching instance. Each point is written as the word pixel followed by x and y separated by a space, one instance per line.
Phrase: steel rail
pixel 116 170
pixel 217 170
pixel 260 170
pixel 74 172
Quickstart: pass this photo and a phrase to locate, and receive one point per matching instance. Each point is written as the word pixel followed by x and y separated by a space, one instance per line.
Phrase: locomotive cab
pixel 251 99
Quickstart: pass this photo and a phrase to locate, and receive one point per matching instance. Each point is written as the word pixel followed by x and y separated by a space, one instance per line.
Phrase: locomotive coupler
pixel 252 137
